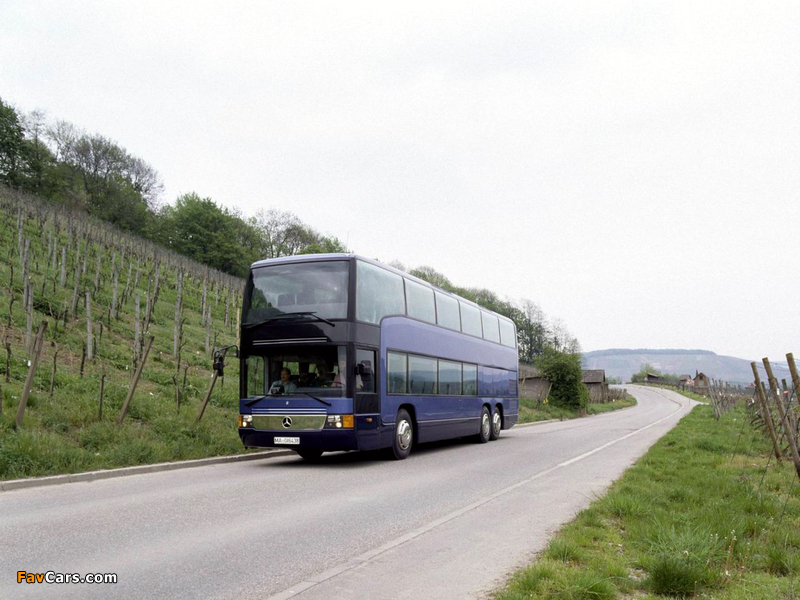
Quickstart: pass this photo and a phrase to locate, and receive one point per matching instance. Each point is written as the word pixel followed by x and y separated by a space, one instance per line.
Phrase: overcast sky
pixel 633 167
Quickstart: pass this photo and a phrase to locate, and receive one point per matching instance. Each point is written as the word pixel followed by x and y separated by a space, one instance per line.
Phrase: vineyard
pixel 83 307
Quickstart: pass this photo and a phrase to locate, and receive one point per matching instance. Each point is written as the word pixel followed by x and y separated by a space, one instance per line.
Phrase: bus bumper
pixel 328 440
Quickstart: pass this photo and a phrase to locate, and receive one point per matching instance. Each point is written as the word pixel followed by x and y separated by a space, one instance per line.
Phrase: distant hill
pixel 624 362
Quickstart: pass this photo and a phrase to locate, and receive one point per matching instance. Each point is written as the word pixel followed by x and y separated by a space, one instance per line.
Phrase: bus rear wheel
pixel 403 435
pixel 486 426
pixel 310 454
pixel 497 424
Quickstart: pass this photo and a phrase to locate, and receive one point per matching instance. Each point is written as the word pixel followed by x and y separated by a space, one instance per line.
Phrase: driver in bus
pixel 284 385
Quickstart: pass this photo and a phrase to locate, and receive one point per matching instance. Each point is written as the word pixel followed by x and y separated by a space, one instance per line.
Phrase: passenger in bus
pixel 283 385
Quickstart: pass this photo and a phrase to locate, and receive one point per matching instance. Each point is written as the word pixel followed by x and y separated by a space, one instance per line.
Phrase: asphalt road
pixel 451 521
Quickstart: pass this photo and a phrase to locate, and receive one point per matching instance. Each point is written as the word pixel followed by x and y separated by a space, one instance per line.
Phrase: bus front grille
pixel 289 422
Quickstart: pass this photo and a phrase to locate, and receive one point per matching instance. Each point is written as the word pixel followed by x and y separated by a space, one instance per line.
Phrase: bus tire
pixel 497 424
pixel 486 426
pixel 309 454
pixel 403 437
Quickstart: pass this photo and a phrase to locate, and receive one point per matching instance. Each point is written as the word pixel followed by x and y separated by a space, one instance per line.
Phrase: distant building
pixel 686 381
pixel 532 383
pixel 653 378
pixel 595 380
pixel 700 379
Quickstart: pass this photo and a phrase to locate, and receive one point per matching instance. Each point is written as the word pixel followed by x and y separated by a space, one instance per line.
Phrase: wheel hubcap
pixel 496 423
pixel 404 434
pixel 485 424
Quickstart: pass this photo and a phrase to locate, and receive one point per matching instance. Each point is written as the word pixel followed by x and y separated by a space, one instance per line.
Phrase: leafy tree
pixel 563 370
pixel 12 146
pixel 433 277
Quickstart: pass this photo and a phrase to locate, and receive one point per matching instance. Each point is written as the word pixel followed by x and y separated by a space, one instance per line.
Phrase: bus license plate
pixel 293 441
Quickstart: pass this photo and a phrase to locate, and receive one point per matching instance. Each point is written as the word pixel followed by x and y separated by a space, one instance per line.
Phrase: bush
pixel 564 372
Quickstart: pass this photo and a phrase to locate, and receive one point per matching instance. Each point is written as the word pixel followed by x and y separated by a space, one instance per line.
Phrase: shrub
pixel 563 370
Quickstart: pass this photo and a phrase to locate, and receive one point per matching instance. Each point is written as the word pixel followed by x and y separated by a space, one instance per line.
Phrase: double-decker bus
pixel 340 352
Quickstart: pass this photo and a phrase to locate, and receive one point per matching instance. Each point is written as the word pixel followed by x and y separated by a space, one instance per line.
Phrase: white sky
pixel 633 167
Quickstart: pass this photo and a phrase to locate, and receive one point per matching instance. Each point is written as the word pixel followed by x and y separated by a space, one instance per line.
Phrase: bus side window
pixel 255 376
pixel 365 367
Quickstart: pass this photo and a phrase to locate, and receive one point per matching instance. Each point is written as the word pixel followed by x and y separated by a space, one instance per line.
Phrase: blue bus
pixel 340 352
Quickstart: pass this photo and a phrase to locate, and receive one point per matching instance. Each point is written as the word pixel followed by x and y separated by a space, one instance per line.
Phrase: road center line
pixel 354 562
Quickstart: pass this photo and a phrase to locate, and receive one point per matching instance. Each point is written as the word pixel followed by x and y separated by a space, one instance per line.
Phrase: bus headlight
pixel 339 422
pixel 245 420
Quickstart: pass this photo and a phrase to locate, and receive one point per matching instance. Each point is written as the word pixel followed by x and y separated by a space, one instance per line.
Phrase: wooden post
pixel 115 292
pixel 178 310
pixel 89 348
pixel 137 334
pixel 7 344
pixel 795 382
pixel 62 280
pixel 102 393
pixel 208 396
pixel 97 271
pixel 135 381
pixel 26 391
pixel 83 357
pixel 787 427
pixel 208 331
pixel 766 411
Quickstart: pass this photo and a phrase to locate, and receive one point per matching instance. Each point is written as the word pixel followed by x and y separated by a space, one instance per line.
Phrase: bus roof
pixel 299 258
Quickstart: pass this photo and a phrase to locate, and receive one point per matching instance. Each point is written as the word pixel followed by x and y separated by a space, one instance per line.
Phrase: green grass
pixel 531 411
pixel 64 433
pixel 692 518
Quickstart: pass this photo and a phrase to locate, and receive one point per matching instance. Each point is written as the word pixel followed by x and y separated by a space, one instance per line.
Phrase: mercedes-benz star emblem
pixel 287 422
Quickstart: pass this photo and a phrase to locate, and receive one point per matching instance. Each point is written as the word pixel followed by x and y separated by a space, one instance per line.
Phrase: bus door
pixel 366 401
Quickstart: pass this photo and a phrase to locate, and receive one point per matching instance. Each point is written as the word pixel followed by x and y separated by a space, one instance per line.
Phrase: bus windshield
pixel 314 287
pixel 319 370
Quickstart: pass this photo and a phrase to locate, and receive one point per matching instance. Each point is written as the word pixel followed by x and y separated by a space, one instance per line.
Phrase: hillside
pixel 84 275
pixel 622 363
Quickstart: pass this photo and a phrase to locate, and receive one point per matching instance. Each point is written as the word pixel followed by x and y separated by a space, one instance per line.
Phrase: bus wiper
pixel 285 315
pixel 314 397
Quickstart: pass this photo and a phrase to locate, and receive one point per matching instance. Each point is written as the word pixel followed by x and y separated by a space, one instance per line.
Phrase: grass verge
pixel 531 411
pixel 703 514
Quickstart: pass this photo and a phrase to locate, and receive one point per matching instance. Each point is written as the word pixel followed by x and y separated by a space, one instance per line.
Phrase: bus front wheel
pixel 486 426
pixel 403 435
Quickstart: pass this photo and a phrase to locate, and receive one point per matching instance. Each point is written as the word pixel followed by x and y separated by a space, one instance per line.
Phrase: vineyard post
pixel 62 280
pixel 795 382
pixel 135 381
pixel 97 270
pixel 773 384
pixel 74 305
pixel 7 343
pixel 27 302
pixel 208 395
pixel 115 291
pixel 102 393
pixel 89 347
pixel 208 331
pixel 26 391
pixel 137 332
pixel 178 310
pixel 766 411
